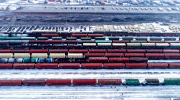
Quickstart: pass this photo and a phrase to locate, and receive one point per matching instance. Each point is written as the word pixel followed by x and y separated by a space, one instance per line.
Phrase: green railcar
pixel 34 60
pixel 127 38
pixel 13 38
pixel 103 41
pixel 171 81
pixel 141 38
pixel 2 38
pixel 152 81
pixel 155 38
pixel 132 81
pixel 28 38
pixel 27 60
pixel 42 38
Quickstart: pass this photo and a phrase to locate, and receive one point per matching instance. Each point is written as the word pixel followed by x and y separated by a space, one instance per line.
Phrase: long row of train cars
pixel 88 65
pixel 76 82
pixel 102 57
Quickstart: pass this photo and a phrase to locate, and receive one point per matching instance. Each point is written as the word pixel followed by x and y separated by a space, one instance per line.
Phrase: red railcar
pixel 91 65
pixel 134 54
pixel 138 60
pixel 19 51
pixel 130 34
pixel 84 81
pixel 36 41
pixel 171 51
pixel 120 41
pixel 97 50
pixel 169 34
pixel 157 65
pixel 113 65
pixel 152 41
pixel 58 51
pixel 95 35
pixel 6 66
pixel 87 55
pixel 109 81
pixel 143 34
pixel 135 65
pixel 38 51
pixel 79 35
pixel 10 82
pixel 69 41
pixel 53 41
pixel 155 55
pixel 78 50
pixel 154 50
pixel 23 65
pixel 5 51
pixel 50 35
pixel 98 59
pixel 118 60
pixel 58 82
pixel 117 51
pixel 29 82
pixel 136 51
pixel 47 65
pixel 69 65
pixel 114 54
pixel 172 56
pixel 174 65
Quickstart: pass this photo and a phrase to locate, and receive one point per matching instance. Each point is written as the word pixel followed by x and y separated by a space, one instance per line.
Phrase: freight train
pixel 89 65
pixel 80 82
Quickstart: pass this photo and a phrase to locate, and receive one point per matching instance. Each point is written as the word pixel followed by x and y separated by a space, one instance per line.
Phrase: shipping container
pixel 135 65
pixel 30 82
pixel 157 65
pixel 113 65
pixel 47 65
pixel 84 81
pixel 10 82
pixel 109 81
pixel 91 65
pixel 69 65
pixel 58 82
